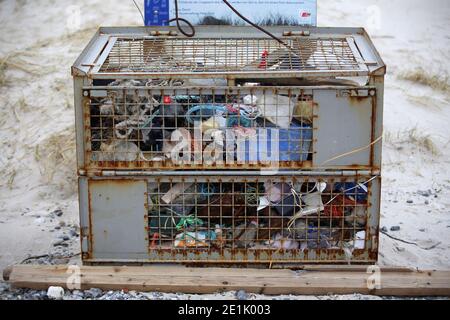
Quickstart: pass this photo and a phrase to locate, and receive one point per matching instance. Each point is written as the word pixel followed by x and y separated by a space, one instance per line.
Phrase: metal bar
pixel 79 122
pixel 234 74
pixel 196 89
pixel 268 173
pixel 357 54
pixel 90 54
pixel 98 64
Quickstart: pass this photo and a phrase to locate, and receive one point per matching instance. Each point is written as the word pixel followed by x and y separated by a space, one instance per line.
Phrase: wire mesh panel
pixel 211 55
pixel 279 219
pixel 136 124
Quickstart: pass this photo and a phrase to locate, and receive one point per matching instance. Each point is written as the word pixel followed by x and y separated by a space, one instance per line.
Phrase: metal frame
pixel 125 180
pixel 331 106
pixel 105 226
pixel 89 61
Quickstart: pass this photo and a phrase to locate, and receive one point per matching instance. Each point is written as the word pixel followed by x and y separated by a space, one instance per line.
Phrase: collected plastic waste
pixel 195 239
pixel 246 234
pixel 292 144
pixel 277 109
pixel 131 126
pixel 353 190
pixel 298 214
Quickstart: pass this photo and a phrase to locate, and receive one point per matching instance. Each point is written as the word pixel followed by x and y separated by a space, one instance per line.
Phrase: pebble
pixel 171 297
pixel 395 228
pixel 62 261
pixel 78 293
pixel 73 233
pixel 241 295
pixel 422 230
pixel 58 213
pixel 427 202
pixel 60 243
pixel 384 229
pixel 38 296
pixel 424 193
pixel 55 293
pixel 57 228
pixel 62 224
pixel 4 287
pixel 94 293
pixel 39 220
pixel 410 201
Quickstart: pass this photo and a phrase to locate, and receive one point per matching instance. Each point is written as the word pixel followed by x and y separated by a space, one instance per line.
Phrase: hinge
pixel 158 33
pixel 303 33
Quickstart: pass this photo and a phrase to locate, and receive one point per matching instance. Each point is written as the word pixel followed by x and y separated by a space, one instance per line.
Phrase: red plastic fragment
pixel 263 63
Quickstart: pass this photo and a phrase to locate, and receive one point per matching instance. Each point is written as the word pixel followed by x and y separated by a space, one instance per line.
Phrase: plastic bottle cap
pixel 167 100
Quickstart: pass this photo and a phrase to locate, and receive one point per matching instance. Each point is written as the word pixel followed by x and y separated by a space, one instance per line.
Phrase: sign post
pixel 274 12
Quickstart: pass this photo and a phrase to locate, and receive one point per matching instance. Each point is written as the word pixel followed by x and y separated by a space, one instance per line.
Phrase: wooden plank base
pixel 314 280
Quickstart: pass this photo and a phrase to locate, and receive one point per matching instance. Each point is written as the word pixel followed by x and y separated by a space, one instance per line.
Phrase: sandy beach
pixel 41 39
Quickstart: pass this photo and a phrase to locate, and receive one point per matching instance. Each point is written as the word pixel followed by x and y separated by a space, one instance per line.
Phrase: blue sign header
pixel 291 12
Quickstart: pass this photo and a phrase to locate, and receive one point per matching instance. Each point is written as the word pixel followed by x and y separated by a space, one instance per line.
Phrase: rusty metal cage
pixel 232 219
pixel 160 116
pixel 134 126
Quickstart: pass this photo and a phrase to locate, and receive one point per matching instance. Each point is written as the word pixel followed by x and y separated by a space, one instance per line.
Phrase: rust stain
pixel 356 100
pixel 373 121
pixel 168 165
pixel 90 237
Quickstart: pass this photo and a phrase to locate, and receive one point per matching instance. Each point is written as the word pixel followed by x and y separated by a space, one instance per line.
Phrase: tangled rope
pixel 242 115
pixel 141 121
pixel 164 83
pixel 301 214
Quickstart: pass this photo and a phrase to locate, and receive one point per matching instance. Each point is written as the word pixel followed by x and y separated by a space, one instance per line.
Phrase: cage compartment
pixel 239 52
pixel 232 219
pixel 134 87
pixel 188 128
pixel 215 55
pixel 132 126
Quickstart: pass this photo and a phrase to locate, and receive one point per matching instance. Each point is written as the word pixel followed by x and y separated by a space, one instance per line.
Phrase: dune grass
pixel 413 136
pixel 57 155
pixel 423 77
